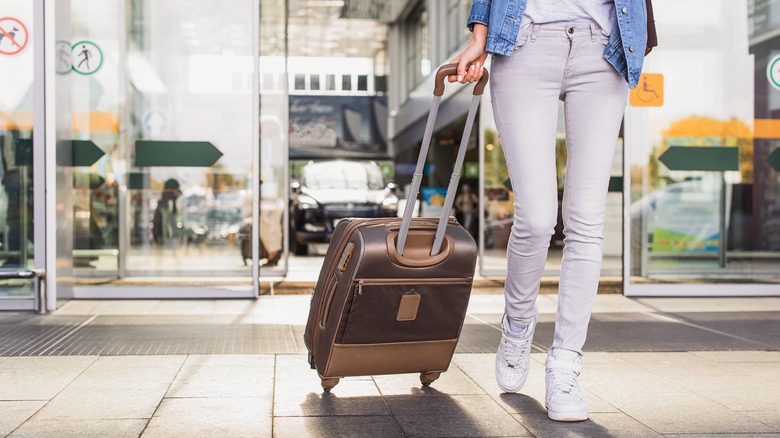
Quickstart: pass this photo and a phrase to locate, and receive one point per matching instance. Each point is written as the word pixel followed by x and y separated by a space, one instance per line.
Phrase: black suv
pixel 329 191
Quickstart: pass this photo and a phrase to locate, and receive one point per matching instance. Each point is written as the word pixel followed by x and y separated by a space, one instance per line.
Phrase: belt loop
pixel 594 28
pixel 534 31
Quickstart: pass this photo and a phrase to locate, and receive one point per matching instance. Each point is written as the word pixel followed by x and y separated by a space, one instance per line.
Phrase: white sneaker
pixel 563 400
pixel 513 357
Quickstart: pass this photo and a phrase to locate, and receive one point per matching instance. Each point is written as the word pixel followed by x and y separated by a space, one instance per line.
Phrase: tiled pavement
pixel 703 367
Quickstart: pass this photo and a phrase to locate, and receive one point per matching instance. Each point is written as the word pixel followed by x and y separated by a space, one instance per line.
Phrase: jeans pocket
pixel 522 38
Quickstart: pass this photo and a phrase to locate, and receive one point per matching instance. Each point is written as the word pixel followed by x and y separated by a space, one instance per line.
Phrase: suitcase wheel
pixel 327 384
pixel 428 378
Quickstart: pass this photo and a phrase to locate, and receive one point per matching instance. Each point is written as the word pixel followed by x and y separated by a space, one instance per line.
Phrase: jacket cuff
pixel 480 12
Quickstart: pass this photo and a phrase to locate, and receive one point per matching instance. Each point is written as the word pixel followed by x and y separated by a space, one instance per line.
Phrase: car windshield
pixel 342 175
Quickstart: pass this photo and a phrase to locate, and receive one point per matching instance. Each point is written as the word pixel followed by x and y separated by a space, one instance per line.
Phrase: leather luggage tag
pixel 407 310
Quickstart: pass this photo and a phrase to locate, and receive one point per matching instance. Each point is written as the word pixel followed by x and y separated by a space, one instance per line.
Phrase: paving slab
pixel 739 393
pixel 611 425
pixel 54 428
pixel 685 412
pixel 342 426
pixel 257 361
pixel 39 378
pixel 14 413
pixel 298 393
pixel 454 416
pixel 115 387
pixel 211 417
pixel 608 380
pixel 453 382
pixel 770 417
pixel 222 382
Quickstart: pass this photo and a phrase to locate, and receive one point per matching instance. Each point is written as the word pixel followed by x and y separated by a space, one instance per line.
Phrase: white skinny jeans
pixel 551 62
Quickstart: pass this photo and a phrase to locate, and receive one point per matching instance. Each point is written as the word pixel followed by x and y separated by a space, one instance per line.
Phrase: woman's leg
pixel 594 98
pixel 525 90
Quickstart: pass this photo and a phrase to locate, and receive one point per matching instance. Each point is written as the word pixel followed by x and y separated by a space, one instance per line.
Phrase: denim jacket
pixel 625 50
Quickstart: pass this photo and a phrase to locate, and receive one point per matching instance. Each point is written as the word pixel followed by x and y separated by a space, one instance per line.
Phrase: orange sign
pixel 649 92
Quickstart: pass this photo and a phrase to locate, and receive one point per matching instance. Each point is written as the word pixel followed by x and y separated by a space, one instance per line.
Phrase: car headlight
pixel 306 202
pixel 390 203
pixel 233 229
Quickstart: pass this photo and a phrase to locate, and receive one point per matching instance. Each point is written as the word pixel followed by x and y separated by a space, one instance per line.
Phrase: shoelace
pixel 514 350
pixel 564 383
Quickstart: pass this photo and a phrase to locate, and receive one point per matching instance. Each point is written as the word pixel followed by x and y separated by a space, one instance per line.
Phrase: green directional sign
pixel 23 151
pixel 83 152
pixel 150 153
pixel 714 158
pixel 774 159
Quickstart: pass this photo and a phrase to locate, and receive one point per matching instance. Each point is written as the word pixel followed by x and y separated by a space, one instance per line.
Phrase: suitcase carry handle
pixel 438 91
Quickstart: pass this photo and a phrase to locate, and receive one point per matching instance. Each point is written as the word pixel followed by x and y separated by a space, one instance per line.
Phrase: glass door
pixel 191 145
pixel 702 204
pixel 96 57
pixel 17 249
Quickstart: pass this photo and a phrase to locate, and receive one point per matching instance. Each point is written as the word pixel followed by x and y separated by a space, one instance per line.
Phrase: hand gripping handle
pixel 452 69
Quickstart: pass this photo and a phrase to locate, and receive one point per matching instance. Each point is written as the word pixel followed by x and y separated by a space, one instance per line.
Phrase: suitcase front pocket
pixel 387 310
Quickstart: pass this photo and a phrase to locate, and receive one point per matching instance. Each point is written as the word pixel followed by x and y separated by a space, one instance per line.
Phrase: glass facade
pixel 177 129
pixel 17 50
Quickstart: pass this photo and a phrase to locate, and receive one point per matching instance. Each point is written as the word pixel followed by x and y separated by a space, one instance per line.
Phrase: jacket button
pixel 631 49
pixel 571 30
pixel 624 10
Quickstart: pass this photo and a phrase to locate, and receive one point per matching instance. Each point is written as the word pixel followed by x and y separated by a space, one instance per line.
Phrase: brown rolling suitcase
pixel 392 293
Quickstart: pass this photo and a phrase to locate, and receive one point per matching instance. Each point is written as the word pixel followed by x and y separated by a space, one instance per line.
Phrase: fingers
pixel 469 68
pixel 463 66
pixel 474 73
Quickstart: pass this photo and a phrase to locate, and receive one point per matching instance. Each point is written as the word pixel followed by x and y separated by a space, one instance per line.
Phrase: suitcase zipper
pixel 395 281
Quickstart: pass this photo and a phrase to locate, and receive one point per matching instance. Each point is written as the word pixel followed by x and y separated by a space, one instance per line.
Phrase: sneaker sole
pixel 567 416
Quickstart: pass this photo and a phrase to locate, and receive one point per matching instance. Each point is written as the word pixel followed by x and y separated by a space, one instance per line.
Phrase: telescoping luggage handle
pixel 438 91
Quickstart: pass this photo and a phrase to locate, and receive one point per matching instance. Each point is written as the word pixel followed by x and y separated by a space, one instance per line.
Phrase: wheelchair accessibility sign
pixel 649 92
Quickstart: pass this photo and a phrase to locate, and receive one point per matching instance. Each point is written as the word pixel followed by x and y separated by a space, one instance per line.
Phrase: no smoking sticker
pixel 86 57
pixel 13 36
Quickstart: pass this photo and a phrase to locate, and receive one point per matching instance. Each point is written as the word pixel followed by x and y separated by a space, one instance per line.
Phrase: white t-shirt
pixel 571 11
